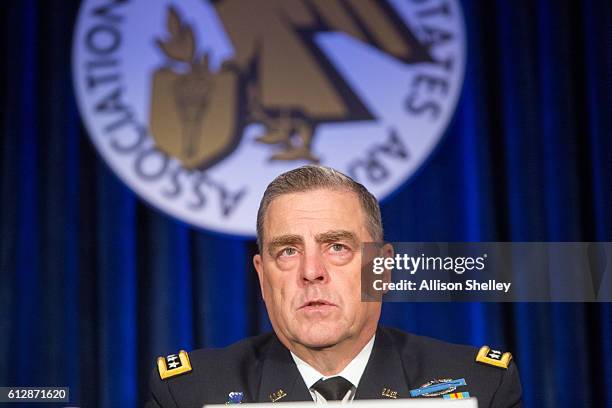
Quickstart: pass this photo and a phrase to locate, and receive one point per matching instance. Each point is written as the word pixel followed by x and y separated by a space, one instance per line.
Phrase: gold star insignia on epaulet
pixel 173 365
pixel 493 357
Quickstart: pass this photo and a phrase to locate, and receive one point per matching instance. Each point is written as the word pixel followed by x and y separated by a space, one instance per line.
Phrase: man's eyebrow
pixel 283 240
pixel 338 235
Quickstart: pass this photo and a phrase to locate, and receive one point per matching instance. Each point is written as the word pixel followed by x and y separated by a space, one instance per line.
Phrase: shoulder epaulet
pixel 173 365
pixel 493 357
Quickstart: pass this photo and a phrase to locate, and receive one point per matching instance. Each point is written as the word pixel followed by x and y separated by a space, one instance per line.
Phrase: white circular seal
pixel 198 105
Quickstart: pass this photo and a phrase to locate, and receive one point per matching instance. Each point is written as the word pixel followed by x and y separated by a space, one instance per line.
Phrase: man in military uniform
pixel 327 344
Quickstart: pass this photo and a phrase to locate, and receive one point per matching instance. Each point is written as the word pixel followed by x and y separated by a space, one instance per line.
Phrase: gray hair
pixel 313 177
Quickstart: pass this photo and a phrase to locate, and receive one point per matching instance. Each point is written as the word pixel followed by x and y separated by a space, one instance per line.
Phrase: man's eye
pixel 288 251
pixel 338 247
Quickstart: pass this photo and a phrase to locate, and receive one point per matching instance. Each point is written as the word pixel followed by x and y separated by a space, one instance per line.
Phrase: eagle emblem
pixel 277 77
pixel 197 105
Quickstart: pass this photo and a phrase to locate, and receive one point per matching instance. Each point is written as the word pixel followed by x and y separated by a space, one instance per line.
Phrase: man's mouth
pixel 316 304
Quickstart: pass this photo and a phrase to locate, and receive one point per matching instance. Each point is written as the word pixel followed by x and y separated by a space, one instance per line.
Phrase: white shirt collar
pixel 352 372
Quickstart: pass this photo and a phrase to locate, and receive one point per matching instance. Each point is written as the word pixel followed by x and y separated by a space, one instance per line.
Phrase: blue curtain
pixel 94 284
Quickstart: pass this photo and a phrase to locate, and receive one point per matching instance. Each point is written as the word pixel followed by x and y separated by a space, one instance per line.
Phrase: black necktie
pixel 334 388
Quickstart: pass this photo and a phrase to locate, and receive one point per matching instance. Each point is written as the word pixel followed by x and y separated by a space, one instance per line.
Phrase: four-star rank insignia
pixel 493 357
pixel 173 365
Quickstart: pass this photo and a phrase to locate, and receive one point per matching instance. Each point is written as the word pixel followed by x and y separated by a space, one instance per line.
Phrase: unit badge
pixel 235 397
pixel 457 395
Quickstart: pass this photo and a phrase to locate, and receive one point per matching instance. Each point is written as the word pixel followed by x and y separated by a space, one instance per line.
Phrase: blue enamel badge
pixel 235 397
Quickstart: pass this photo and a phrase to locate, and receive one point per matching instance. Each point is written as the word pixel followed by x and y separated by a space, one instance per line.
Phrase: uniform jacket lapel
pixel 384 371
pixel 280 374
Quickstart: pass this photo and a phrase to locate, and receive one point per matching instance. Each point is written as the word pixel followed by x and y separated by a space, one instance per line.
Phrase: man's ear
pixel 258 263
pixel 387 251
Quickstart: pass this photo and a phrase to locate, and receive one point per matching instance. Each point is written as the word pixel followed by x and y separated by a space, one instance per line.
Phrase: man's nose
pixel 313 268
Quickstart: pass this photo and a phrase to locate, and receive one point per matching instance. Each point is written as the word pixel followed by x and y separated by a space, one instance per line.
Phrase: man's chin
pixel 319 339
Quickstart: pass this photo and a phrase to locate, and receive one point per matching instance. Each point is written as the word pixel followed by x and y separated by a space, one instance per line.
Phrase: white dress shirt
pixel 352 372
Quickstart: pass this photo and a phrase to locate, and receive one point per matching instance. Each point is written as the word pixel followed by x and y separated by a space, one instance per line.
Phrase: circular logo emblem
pixel 198 105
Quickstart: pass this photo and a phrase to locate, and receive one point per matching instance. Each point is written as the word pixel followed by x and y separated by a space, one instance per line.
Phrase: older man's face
pixel 309 269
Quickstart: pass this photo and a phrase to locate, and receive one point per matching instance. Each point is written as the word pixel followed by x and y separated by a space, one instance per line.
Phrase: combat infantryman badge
pixel 438 387
pixel 173 365
pixel 493 357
